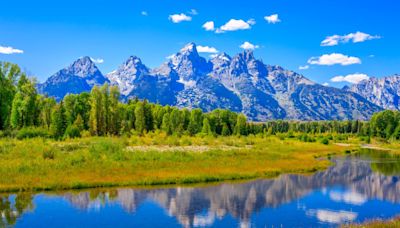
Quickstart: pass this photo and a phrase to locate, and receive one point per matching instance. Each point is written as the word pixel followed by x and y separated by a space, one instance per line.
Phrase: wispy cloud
pixel 206 49
pixel 10 50
pixel 234 25
pixel 177 18
pixel 144 13
pixel 97 60
pixel 333 59
pixel 170 56
pixel 193 12
pixel 272 19
pixel 305 67
pixel 357 37
pixel 351 78
pixel 209 26
pixel 251 21
pixel 249 46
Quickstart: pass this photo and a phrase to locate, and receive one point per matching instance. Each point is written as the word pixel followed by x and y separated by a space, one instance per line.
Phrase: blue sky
pixel 52 34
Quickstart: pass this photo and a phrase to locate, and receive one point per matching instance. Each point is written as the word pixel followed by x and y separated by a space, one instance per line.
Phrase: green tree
pixel 206 127
pixel 96 118
pixel 17 112
pixel 166 124
pixel 9 74
pixel 241 128
pixel 58 121
pixel 196 118
pixel 46 107
pixel 24 110
pixel 79 123
pixel 140 120
pixel 114 120
pixel 225 130
pixel 148 116
pixel 105 107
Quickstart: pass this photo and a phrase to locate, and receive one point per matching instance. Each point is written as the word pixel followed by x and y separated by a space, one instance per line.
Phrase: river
pixel 356 189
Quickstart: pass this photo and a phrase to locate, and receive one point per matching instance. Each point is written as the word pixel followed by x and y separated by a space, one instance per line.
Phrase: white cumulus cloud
pixel 209 26
pixel 10 50
pixel 333 59
pixel 177 18
pixel 350 197
pixel 249 46
pixel 352 78
pixel 272 19
pixel 234 25
pixel 334 217
pixel 325 84
pixel 356 37
pixel 206 49
pixel 306 67
pixel 97 60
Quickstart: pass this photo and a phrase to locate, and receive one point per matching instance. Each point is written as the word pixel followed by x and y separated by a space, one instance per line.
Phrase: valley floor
pixel 156 159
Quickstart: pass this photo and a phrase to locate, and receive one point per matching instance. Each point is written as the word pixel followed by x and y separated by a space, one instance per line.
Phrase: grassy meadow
pixel 395 222
pixel 154 159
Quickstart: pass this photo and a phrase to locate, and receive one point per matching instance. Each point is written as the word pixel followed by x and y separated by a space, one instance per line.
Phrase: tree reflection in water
pixel 13 206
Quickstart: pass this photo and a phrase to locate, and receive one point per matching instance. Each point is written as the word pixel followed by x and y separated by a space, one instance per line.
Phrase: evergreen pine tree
pixel 58 121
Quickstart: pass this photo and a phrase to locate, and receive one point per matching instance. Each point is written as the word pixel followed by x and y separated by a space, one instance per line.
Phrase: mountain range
pixel 240 83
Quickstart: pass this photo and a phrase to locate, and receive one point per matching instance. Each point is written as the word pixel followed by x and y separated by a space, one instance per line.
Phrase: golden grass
pixel 43 164
pixel 395 222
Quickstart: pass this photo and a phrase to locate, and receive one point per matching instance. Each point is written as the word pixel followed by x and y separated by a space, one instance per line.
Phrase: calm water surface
pixel 356 189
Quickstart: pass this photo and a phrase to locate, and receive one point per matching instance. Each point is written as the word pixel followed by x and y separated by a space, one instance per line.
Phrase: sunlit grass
pixel 395 222
pixel 44 164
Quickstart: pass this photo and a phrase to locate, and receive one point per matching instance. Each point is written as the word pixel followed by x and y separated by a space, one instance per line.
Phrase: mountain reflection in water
pixel 335 196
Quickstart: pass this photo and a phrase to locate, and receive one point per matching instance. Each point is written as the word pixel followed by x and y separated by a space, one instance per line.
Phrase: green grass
pixel 155 159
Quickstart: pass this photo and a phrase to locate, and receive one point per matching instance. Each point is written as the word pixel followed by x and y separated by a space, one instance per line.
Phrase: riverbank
pixel 156 159
pixel 395 222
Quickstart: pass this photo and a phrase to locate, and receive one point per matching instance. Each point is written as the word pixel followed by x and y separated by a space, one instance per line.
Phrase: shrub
pixel 306 138
pixel 85 134
pixel 48 153
pixel 32 132
pixel 325 141
pixel 72 132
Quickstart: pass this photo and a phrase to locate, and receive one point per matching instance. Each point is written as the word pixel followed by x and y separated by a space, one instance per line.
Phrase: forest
pixel 24 114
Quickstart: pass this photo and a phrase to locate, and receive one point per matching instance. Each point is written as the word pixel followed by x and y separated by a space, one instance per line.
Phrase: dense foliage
pixel 100 113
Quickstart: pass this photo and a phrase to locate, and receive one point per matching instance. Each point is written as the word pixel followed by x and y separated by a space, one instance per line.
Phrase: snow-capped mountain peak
pixel 127 73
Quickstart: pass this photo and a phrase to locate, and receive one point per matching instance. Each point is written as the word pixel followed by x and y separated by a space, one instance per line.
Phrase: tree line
pixel 100 113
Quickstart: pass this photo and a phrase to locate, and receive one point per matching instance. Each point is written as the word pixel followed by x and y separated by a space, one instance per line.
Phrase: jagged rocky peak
pixel 132 69
pixel 239 64
pixel 135 66
pixel 78 77
pixel 189 64
pixel 279 74
pixel 166 69
pixel 247 55
pixel 82 67
pixel 221 57
pixel 221 60
pixel 384 92
pixel 190 48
